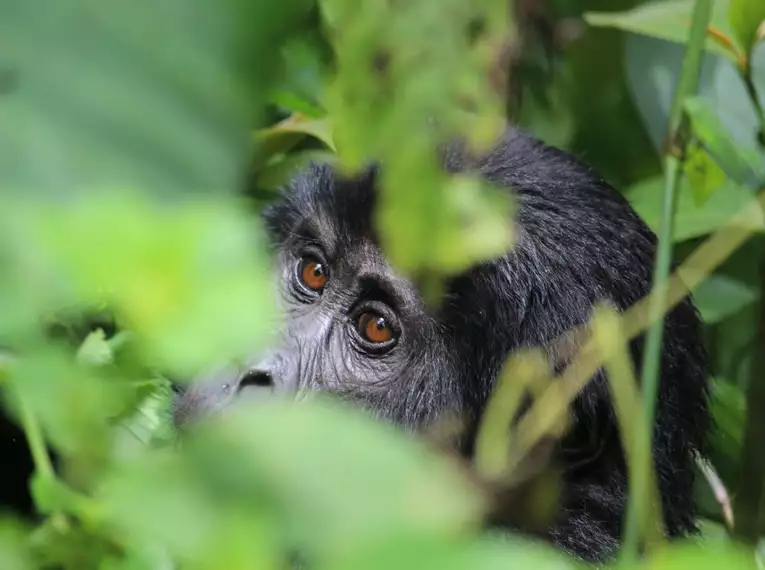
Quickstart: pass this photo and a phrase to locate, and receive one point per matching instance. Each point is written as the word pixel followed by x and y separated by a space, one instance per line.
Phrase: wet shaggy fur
pixel 579 242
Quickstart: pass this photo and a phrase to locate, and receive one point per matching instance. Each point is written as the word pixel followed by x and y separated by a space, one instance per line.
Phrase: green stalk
pixel 751 90
pixel 35 440
pixel 29 424
pixel 687 85
pixel 608 334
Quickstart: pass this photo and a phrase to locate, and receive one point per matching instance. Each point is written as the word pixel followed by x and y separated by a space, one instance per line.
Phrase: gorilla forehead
pixel 338 208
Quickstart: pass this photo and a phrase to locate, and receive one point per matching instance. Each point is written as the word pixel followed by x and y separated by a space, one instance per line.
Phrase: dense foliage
pixel 138 138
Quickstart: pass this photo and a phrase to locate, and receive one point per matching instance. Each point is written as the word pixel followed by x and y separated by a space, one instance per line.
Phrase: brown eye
pixel 374 328
pixel 312 274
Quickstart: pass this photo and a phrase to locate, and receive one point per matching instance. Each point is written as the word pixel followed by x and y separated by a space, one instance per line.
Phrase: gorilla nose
pixel 256 384
pixel 255 379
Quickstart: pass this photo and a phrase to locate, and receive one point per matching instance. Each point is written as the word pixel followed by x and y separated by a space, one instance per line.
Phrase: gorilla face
pixel 352 325
pixel 357 329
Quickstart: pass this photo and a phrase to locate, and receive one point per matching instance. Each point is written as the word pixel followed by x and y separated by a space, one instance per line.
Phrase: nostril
pixel 256 379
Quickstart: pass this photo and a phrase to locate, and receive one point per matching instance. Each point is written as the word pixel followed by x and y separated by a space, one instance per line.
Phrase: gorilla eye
pixel 374 328
pixel 313 274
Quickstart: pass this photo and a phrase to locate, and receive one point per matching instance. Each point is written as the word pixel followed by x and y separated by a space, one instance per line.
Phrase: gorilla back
pixel 356 328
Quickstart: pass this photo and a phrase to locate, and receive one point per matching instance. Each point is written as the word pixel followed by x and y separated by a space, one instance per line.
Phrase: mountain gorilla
pixel 356 328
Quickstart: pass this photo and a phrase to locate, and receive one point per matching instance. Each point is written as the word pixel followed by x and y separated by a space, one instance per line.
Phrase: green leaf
pixel 149 423
pixel 95 349
pixel 703 173
pixel 711 531
pixel 281 137
pixel 728 405
pixel 653 67
pixel 74 404
pixel 411 75
pixel 51 495
pixel 683 555
pixel 746 17
pixel 321 468
pixel 694 220
pixel 72 547
pixel 14 546
pixel 306 71
pixel 718 297
pixel 472 222
pixel 134 94
pixel 191 283
pixel 278 172
pixel 669 20
pixel 741 164
pixel 153 501
pixel 492 552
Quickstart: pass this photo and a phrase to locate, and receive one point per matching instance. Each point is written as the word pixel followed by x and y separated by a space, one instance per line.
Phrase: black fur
pixel 579 242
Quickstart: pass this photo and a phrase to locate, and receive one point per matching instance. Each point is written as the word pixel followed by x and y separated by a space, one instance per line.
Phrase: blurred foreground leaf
pixel 669 20
pixel 155 96
pixel 746 18
pixel 713 556
pixel 14 554
pixel 411 76
pixel 486 553
pixel 340 480
pixel 75 405
pixel 190 280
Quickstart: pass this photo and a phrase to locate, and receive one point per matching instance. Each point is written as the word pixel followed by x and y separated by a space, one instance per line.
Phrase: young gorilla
pixel 356 328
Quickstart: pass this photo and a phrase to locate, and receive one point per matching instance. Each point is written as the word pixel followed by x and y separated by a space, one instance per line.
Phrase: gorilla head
pixel 356 328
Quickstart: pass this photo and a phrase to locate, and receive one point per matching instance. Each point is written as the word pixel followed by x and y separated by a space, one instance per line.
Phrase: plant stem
pixel 35 440
pixel 751 89
pixel 687 85
pixel 29 423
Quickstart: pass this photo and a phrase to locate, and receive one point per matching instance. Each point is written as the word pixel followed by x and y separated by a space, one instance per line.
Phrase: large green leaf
pixel 743 165
pixel 669 20
pixel 694 220
pixel 719 296
pixel 339 478
pixel 159 96
pixel 486 553
pixel 191 280
pixel 653 67
pixel 411 75
pixel 703 173
pixel 684 555
pixel 746 17
pixel 729 413
pixel 306 72
pixel 14 551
